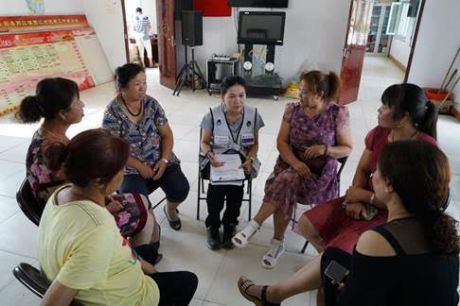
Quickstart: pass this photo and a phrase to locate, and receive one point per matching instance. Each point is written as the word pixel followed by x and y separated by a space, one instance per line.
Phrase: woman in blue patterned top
pixel 139 119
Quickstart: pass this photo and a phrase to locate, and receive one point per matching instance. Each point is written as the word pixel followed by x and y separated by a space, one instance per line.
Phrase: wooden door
pixel 125 31
pixel 355 49
pixel 166 43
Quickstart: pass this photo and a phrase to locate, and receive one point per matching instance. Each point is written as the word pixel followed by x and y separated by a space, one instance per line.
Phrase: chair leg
pixel 250 200
pixel 198 197
pixel 304 247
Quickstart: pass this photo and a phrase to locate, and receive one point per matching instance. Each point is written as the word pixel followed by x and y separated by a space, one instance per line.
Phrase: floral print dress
pixel 130 220
pixel 285 187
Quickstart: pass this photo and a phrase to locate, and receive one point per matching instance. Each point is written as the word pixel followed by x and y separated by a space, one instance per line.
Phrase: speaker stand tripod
pixel 188 68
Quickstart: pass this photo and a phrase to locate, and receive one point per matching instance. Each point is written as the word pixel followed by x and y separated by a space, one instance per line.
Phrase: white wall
pixel 149 8
pixel 19 7
pixel 107 19
pixel 437 43
pixel 400 50
pixel 314 33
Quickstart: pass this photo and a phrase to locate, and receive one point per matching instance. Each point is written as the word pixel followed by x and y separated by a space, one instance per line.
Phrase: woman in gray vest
pixel 228 128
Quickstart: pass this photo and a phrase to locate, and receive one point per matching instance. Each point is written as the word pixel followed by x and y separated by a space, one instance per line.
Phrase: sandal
pixel 244 284
pixel 175 224
pixel 271 257
pixel 241 239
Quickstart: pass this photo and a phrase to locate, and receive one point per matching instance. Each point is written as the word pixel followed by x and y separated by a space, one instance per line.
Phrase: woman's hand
pixel 145 171
pixel 112 204
pixel 356 194
pixel 355 210
pixel 159 168
pixel 314 151
pixel 247 166
pixel 214 161
pixel 301 169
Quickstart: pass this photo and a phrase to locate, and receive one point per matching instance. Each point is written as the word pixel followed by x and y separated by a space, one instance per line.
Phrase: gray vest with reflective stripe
pixel 222 137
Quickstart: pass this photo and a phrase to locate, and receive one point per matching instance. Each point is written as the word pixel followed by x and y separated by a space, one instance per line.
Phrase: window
pixel 402 20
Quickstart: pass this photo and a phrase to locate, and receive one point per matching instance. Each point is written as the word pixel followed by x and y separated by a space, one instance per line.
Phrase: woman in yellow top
pixel 80 247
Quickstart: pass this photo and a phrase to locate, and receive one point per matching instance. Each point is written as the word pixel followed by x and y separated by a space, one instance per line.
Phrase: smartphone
pixel 336 271
pixel 370 212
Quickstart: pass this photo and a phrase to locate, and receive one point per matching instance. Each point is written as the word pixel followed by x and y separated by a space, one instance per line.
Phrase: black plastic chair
pixel 28 203
pixel 34 280
pixel 201 194
pixel 342 161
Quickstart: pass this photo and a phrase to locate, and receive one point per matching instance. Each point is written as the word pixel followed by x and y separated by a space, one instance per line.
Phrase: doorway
pixel 141 49
pixel 391 33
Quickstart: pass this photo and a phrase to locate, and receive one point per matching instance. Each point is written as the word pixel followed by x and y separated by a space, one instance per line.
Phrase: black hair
pixel 126 73
pixel 92 154
pixel 325 85
pixel 411 99
pixel 419 173
pixel 138 10
pixel 51 96
pixel 231 81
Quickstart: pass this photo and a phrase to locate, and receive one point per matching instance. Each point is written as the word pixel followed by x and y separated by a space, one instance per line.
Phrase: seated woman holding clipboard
pixel 228 128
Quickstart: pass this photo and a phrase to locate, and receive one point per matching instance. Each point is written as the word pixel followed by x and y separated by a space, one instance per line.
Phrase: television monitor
pixel 258 3
pixel 261 27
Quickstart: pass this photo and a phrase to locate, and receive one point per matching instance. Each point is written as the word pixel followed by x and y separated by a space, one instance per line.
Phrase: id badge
pixel 247 139
pixel 220 140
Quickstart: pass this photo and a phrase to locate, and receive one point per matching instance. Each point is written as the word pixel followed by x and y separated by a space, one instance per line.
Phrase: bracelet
pixel 371 200
pixel 326 150
pixel 164 160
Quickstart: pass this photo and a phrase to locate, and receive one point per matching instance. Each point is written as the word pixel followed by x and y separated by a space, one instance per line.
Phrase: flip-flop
pixel 243 285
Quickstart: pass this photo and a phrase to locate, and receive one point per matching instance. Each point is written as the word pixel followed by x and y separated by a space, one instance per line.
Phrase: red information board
pixel 28 55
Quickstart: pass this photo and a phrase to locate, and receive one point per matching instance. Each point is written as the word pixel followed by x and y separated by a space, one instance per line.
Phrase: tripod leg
pixel 179 80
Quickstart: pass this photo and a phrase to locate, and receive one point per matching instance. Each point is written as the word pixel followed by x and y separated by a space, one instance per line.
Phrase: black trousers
pixel 215 199
pixel 173 182
pixel 176 288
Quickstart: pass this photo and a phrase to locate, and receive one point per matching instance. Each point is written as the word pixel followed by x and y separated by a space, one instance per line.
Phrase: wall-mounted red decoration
pixel 213 8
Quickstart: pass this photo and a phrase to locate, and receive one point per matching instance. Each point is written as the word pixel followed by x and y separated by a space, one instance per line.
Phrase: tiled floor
pixel 217 271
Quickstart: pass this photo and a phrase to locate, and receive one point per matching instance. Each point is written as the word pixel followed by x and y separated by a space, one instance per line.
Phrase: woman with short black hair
pixel 140 120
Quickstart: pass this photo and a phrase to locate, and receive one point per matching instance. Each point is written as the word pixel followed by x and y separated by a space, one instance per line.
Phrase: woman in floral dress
pixel 314 133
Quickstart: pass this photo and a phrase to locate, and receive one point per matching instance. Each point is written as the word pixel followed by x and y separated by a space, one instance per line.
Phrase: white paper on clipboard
pixel 230 173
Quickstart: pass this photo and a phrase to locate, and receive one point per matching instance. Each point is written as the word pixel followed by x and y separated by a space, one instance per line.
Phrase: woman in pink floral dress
pixel 314 133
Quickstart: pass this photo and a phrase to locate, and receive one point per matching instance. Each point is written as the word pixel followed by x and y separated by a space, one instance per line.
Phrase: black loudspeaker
pixel 192 28
pixel 182 5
